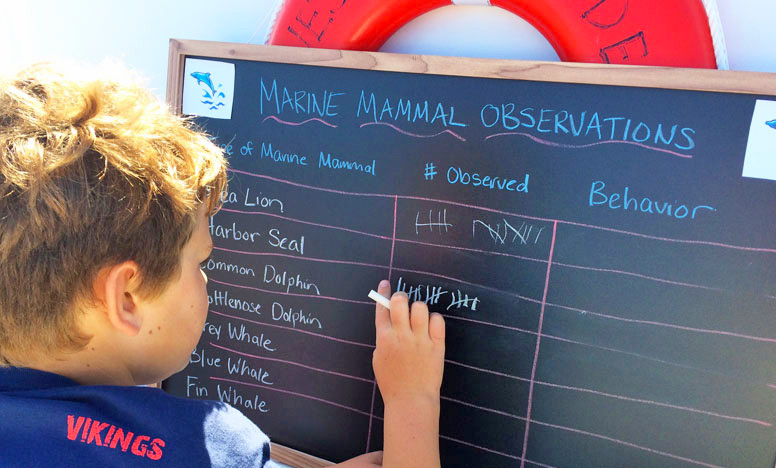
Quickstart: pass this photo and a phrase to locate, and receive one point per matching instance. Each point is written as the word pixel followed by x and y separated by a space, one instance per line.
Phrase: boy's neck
pixel 89 366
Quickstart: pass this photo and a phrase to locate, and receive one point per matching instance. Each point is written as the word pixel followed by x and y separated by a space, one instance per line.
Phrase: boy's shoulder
pixel 71 424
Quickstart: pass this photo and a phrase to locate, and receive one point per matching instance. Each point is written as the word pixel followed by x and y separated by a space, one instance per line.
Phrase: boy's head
pixel 94 173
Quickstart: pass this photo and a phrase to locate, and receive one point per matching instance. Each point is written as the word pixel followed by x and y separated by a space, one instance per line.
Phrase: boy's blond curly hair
pixel 93 172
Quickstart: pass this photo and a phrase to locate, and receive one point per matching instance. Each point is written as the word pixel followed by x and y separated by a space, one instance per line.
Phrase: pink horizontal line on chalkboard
pixel 487 371
pixel 667 325
pixel 541 465
pixel 273 325
pixel 229 210
pixel 302 395
pixel 491 410
pixel 638 275
pixel 490 324
pixel 600 393
pixel 284 122
pixel 637 355
pixel 536 218
pixel 452 317
pixel 483 408
pixel 612 317
pixel 297 257
pixel 311 187
pixel 485 449
pixel 416 135
pixel 479 369
pixel 468 249
pixel 656 403
pixel 628 444
pixel 669 239
pixel 592 226
pixel 568 265
pixel 553 305
pixel 317 369
pixel 309 296
pixel 554 426
pixel 458 280
pixel 580 343
pixel 606 142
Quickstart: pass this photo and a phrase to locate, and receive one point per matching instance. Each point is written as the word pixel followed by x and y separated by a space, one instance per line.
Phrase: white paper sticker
pixel 760 158
pixel 208 88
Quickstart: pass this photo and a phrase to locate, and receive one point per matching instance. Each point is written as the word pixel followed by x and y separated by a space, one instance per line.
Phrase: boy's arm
pixel 408 363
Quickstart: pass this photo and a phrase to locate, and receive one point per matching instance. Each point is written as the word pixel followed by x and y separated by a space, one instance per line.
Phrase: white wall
pixel 138 31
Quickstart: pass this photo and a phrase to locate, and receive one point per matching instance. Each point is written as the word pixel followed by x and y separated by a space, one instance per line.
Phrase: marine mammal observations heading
pixel 594 249
pixel 327 106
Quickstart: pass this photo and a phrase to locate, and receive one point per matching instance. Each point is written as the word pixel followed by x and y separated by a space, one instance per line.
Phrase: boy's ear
pixel 116 286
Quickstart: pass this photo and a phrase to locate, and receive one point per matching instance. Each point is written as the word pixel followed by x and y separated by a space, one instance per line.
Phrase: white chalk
pixel 380 299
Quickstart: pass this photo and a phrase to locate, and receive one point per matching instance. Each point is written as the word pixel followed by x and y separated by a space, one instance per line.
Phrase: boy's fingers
pixel 419 319
pixel 382 314
pixel 400 310
pixel 436 328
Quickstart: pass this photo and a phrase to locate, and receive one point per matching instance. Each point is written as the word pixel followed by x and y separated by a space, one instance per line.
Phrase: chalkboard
pixel 600 240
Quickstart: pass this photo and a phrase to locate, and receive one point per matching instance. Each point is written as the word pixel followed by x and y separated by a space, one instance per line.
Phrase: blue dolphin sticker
pixel 771 123
pixel 204 78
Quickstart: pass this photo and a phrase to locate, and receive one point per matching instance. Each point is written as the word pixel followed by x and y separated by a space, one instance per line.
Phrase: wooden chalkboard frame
pixel 579 73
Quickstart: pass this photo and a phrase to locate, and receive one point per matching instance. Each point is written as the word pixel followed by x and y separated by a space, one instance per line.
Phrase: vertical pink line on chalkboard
pixel 390 271
pixel 393 238
pixel 538 341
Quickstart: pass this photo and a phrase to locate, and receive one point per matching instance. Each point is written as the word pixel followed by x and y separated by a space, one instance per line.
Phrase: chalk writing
pixel 198 356
pixel 289 281
pixel 456 175
pixel 325 160
pixel 193 389
pixel 212 265
pixel 262 201
pixel 275 155
pixel 430 171
pixel 433 295
pixel 212 329
pixel 460 299
pixel 525 233
pixel 227 148
pixel 284 243
pixel 226 232
pixel 615 201
pixel 441 221
pixel 235 398
pixel 404 109
pixel 288 315
pixel 240 366
pixel 241 334
pixel 222 298
pixel 563 122
pixel 247 149
pixel 297 101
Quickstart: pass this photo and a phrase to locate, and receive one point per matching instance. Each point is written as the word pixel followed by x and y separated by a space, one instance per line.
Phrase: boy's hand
pixel 367 460
pixel 408 363
pixel 409 358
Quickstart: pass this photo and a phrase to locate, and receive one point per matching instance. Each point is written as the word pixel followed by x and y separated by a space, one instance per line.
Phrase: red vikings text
pixel 108 435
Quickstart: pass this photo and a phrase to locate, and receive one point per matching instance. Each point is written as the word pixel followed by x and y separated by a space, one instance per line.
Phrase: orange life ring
pixel 672 33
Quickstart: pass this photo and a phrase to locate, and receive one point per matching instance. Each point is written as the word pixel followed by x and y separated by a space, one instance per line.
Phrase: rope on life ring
pixel 676 33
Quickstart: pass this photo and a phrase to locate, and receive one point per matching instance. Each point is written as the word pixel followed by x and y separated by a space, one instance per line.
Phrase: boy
pixel 104 200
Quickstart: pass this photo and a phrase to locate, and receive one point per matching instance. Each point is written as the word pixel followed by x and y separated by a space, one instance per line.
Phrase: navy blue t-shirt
pixel 50 420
